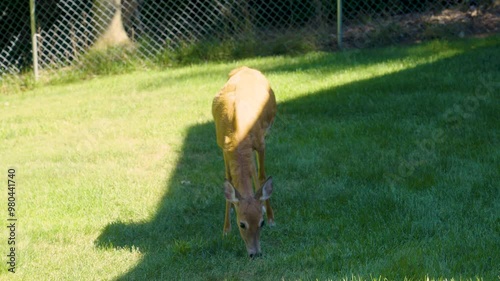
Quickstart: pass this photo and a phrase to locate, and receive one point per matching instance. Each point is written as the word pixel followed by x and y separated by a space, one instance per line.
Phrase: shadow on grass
pixel 324 62
pixel 336 213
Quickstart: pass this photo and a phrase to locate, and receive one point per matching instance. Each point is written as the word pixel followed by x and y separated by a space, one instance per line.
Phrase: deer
pixel 243 113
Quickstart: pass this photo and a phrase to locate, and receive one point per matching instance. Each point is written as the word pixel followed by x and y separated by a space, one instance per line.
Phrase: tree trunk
pixel 110 24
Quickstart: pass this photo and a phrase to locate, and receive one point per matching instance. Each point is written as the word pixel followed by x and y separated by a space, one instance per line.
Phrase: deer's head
pixel 249 213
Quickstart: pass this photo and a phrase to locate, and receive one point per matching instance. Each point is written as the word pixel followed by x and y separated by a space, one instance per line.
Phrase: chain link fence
pixel 63 32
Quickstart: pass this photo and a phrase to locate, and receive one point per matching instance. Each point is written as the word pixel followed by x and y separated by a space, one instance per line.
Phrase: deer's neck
pixel 242 166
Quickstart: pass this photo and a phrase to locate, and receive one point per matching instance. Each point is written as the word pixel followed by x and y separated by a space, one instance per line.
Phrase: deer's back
pixel 243 110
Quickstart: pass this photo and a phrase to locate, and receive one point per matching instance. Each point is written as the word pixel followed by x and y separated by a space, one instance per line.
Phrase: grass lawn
pixel 385 165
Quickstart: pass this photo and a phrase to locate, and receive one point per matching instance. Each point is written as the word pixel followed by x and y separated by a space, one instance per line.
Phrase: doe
pixel 243 112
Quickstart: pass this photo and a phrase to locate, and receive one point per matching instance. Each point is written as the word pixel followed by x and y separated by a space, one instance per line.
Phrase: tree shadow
pixel 346 133
pixel 185 223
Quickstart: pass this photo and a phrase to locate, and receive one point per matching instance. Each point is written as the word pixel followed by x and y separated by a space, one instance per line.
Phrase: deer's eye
pixel 242 225
pixel 262 223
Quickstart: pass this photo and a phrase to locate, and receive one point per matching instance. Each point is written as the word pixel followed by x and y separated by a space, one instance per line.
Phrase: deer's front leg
pixel 227 219
pixel 261 154
pixel 227 214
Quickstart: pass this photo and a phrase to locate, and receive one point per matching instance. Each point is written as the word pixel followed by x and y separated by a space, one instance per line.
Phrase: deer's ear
pixel 230 192
pixel 265 191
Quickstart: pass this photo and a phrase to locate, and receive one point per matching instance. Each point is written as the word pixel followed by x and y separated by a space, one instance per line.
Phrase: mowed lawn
pixel 385 165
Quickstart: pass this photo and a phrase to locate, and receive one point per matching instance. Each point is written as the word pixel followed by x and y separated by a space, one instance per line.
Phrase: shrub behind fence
pixel 172 30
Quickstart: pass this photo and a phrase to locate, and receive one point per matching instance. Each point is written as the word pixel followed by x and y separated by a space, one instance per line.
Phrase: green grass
pixel 126 59
pixel 385 163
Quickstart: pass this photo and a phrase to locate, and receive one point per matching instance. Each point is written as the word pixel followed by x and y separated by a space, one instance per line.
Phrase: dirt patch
pixel 415 27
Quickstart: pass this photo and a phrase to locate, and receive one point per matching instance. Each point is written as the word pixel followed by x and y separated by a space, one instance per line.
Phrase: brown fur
pixel 243 112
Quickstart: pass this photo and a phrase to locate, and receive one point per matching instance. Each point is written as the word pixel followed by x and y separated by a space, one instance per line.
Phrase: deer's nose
pixel 254 255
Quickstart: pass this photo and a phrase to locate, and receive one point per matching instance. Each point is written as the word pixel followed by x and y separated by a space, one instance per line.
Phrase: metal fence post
pixel 339 23
pixel 33 39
